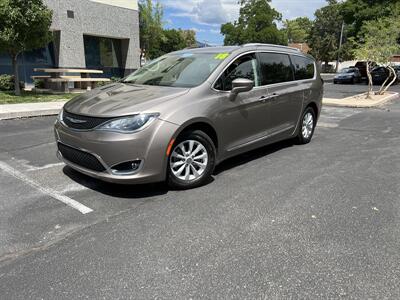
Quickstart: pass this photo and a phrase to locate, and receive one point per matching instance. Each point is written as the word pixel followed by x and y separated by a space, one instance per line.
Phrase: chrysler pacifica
pixel 179 116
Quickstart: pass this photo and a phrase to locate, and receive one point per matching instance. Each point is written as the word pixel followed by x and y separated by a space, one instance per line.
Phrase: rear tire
pixel 307 125
pixel 192 160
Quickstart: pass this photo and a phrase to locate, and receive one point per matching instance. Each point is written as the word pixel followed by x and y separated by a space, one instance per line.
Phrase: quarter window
pixel 304 67
pixel 245 67
pixel 275 68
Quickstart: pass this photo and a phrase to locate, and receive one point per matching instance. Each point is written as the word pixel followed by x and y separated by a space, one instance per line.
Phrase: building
pixel 303 47
pixel 93 34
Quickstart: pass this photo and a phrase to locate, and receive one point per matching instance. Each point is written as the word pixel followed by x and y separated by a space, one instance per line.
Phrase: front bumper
pixel 111 149
pixel 343 80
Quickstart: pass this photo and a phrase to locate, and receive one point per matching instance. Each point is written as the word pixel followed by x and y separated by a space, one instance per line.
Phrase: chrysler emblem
pixel 75 121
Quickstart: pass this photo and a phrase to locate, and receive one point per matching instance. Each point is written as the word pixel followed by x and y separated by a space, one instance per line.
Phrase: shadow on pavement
pixel 117 190
pixel 157 189
pixel 252 155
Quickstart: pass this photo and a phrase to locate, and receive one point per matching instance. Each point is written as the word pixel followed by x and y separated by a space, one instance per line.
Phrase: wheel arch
pixel 199 124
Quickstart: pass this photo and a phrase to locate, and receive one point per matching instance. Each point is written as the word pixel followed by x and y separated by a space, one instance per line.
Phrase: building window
pixel 70 14
pixel 102 52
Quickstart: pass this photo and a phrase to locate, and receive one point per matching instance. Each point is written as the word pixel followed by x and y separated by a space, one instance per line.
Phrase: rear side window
pixel 275 68
pixel 303 67
pixel 244 67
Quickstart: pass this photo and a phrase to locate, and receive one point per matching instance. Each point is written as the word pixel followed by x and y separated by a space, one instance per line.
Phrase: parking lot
pixel 284 221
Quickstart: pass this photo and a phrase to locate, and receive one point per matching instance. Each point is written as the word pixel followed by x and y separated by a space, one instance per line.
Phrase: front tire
pixel 192 160
pixel 307 125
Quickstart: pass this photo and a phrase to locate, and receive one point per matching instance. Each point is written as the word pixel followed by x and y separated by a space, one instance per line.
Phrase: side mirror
pixel 241 85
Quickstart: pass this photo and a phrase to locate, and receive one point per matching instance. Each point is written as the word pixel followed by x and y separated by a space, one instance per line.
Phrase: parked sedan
pixel 347 75
pixel 380 74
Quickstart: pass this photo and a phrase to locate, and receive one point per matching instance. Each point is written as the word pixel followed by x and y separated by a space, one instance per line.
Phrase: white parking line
pixel 327 125
pixel 34 168
pixel 47 191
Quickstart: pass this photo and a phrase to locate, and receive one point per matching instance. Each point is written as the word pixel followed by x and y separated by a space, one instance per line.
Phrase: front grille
pixel 81 158
pixel 82 122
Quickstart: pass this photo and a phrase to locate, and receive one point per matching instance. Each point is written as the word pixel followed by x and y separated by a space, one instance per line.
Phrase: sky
pixel 206 16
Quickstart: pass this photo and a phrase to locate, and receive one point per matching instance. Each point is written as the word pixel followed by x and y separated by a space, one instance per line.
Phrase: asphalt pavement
pixel 284 221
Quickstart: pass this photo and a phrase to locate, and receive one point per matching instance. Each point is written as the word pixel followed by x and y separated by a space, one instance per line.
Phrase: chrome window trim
pixel 268 85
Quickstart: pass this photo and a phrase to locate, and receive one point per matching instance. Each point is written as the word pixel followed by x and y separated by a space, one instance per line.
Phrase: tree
pixel 150 25
pixel 356 12
pixel 190 37
pixel 378 43
pixel 24 26
pixel 256 24
pixel 325 32
pixel 297 30
pixel 173 40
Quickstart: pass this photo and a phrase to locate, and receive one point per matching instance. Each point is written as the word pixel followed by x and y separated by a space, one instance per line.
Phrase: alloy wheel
pixel 189 160
pixel 308 125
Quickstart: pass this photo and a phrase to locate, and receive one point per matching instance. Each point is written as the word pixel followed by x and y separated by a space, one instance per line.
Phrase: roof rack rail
pixel 269 45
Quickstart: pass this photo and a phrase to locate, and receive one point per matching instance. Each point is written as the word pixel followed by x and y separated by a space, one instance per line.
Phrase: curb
pixel 29 110
pixel 378 103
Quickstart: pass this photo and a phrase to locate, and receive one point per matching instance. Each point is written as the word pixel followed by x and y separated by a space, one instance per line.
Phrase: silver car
pixel 179 116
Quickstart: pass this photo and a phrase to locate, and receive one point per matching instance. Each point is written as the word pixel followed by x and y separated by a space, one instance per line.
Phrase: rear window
pixel 303 67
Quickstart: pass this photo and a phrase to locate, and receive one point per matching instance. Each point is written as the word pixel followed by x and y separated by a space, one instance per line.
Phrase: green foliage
pixel 256 24
pixel 173 40
pixel 155 40
pixel 24 25
pixel 30 97
pixel 297 30
pixel 356 12
pixel 378 40
pixel 325 32
pixel 150 24
pixel 39 83
pixel 378 43
pixel 6 82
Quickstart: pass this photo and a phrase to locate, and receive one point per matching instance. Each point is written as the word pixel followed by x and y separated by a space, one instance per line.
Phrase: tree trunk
pixel 381 90
pixel 392 82
pixel 17 90
pixel 369 81
pixel 326 64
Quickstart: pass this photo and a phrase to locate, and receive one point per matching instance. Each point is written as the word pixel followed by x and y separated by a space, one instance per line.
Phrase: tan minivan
pixel 179 116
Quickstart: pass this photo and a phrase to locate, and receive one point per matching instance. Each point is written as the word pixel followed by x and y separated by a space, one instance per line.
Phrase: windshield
pixel 177 70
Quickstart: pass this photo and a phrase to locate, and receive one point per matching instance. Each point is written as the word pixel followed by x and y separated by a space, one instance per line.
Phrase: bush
pixel 6 82
pixel 39 83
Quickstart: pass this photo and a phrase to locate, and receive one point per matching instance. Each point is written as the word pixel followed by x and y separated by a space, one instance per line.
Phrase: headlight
pixel 129 124
pixel 60 115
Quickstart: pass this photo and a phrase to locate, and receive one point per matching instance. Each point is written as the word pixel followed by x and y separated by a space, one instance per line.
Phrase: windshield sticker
pixel 221 56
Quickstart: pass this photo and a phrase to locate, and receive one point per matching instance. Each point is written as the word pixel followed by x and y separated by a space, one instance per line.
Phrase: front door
pixel 241 119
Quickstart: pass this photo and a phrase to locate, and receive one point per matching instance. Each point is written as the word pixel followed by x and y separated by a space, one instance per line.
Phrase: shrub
pixel 39 83
pixel 6 82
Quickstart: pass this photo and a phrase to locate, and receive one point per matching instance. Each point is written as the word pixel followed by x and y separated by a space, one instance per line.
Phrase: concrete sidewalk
pixel 14 111
pixel 359 101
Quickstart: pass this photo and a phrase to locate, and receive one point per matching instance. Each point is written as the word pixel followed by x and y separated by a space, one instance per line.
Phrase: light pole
pixel 340 48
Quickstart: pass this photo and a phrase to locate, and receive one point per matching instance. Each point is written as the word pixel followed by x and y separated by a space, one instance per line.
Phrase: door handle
pixel 269 97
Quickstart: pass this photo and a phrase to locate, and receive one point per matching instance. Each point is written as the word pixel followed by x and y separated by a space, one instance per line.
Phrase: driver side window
pixel 245 67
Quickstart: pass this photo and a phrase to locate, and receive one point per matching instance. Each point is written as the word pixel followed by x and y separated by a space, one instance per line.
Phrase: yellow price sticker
pixel 222 56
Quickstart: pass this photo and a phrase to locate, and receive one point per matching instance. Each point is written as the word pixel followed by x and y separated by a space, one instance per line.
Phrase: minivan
pixel 179 116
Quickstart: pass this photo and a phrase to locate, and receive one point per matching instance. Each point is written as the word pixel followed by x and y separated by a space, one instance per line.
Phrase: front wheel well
pixel 206 128
pixel 314 107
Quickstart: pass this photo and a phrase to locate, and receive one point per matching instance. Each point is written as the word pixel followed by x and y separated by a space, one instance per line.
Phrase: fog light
pixel 127 168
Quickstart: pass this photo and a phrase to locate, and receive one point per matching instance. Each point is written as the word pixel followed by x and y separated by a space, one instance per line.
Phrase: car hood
pixel 121 99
